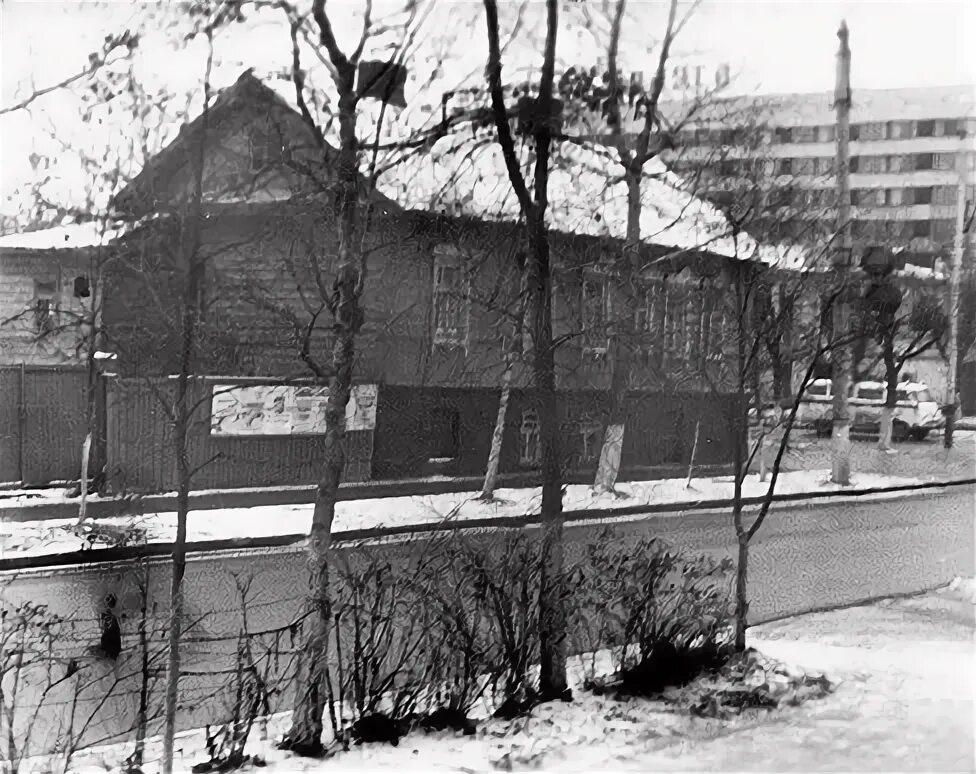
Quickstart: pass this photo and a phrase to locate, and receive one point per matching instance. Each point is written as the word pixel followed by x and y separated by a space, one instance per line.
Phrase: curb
pixel 128 553
pixel 303 495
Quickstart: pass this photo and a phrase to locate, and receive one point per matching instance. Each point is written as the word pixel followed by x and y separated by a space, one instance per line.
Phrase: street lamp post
pixel 841 357
pixel 950 408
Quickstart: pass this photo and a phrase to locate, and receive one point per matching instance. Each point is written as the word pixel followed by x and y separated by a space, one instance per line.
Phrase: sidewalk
pixel 902 671
pixel 35 504
pixel 19 539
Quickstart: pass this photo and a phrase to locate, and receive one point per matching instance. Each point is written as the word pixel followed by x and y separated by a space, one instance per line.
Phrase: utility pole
pixel 841 356
pixel 950 407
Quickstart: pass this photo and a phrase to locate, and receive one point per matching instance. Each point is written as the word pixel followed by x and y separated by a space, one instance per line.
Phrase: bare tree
pixel 538 271
pixel 899 337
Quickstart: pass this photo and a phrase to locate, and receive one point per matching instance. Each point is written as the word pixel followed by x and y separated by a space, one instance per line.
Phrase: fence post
pixel 21 421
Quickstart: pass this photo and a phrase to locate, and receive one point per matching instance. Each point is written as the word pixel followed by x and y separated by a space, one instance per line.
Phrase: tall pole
pixel 841 371
pixel 950 407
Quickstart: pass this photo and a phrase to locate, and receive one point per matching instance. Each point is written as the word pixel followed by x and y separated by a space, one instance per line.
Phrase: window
pixel 530 452
pixel 264 153
pixel 921 228
pixel 921 195
pixel 943 231
pixel 944 194
pixel 450 301
pixel 894 197
pixel 712 329
pixel 871 165
pixel 595 312
pixel 855 164
pixel 804 134
pixel 782 134
pixel 818 389
pixel 45 310
pixel 898 164
pixel 784 167
pixel 898 130
pixel 825 165
pixel 726 168
pixel 806 166
pixel 923 161
pixel 945 161
pixel 867 197
pixel 872 131
pixel 645 316
pixel 950 128
pixel 826 133
pixel 678 333
pixel 924 128
pixel 870 393
pixel 854 133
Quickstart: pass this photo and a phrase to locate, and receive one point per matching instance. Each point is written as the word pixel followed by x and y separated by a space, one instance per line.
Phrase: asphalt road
pixel 807 556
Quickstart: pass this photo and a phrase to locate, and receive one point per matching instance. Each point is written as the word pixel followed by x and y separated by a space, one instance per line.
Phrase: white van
pixel 916 413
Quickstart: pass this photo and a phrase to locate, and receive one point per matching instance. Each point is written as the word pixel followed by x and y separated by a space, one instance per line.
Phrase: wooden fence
pixel 42 423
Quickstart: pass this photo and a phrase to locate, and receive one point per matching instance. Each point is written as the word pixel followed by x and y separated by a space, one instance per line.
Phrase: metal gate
pixel 42 423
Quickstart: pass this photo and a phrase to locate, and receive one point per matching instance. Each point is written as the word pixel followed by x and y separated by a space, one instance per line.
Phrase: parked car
pixel 916 413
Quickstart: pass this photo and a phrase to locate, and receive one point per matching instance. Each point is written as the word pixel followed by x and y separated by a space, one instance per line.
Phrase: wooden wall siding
pixel 141 456
pixel 412 424
pixel 259 286
pixel 42 424
pixel 20 270
pixel 10 424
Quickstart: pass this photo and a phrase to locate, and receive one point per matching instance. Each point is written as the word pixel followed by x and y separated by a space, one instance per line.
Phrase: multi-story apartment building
pixel 909 149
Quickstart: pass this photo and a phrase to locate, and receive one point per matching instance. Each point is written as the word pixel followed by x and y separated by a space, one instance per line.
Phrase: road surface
pixel 808 555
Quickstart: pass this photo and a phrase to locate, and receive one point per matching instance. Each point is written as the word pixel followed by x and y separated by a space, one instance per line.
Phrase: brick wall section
pixel 20 271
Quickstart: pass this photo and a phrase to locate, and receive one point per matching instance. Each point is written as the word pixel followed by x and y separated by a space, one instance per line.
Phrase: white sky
pixel 771 45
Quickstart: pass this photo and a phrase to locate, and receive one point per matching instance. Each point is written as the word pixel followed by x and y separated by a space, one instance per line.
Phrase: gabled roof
pixel 237 104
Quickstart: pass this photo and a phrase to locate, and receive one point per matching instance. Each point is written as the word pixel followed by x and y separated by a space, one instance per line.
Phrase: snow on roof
pixel 61 237
pixel 587 195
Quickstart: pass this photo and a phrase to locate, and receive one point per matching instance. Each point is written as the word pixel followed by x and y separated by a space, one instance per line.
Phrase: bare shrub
pixel 487 607
pixel 665 615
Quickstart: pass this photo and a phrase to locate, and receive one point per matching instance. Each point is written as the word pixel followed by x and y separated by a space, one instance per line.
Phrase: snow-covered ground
pixel 34 538
pixel 903 671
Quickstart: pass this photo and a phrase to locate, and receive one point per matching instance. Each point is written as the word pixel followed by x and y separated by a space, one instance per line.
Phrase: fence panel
pixel 10 427
pixel 54 427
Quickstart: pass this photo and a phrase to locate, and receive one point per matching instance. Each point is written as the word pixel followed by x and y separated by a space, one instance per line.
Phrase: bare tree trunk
pixel 85 453
pixel 633 162
pixel 552 623
pixel 886 432
pixel 189 256
pixel 740 435
pixel 498 434
pixel 305 734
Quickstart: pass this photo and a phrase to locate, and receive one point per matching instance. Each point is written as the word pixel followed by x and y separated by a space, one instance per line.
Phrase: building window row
pixel 811 166
pixel 874 130
pixel 864 132
pixel 895 231
pixel 904 197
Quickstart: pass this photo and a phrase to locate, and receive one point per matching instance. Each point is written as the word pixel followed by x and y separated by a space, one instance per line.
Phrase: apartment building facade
pixel 909 149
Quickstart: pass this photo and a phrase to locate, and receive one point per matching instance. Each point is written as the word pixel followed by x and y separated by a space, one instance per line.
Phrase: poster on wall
pixel 254 410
